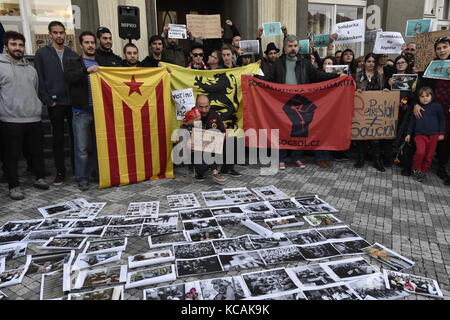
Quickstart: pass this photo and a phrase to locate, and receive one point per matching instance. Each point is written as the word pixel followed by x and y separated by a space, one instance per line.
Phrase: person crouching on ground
pixel 428 130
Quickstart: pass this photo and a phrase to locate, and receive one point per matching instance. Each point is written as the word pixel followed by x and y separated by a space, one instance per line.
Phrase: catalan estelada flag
pixel 134 120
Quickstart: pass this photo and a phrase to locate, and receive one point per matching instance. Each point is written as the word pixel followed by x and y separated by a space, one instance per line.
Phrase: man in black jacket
pixel 291 69
pixel 76 73
pixel 156 53
pixel 49 62
pixel 104 55
pixel 131 53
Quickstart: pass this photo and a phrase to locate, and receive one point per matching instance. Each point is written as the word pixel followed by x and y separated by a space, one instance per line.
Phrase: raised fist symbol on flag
pixel 301 113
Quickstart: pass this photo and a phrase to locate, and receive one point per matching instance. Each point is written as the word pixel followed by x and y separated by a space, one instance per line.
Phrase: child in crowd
pixel 428 131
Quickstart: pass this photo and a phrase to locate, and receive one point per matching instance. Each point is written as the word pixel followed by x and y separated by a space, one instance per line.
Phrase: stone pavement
pixel 411 218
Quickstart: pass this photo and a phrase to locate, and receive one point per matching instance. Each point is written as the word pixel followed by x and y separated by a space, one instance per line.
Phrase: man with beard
pixel 49 64
pixel 410 52
pixel 156 53
pixel 20 113
pixel 271 56
pixel 131 53
pixel 104 55
pixel 76 73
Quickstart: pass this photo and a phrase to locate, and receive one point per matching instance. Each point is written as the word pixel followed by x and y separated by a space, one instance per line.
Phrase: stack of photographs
pixel 143 208
pixel 388 257
pixel 412 284
pixel 150 258
pixel 108 294
pixel 150 276
pixel 270 193
pixel 183 202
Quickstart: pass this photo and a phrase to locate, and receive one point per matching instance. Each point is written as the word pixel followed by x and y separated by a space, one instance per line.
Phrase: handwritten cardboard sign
pixel 388 43
pixel 184 101
pixel 350 31
pixel 204 26
pixel 425 47
pixel 375 115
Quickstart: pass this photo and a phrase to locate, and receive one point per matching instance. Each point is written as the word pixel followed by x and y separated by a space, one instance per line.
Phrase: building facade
pixel 301 17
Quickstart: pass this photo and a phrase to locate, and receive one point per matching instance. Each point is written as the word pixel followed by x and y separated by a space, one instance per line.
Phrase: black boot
pixel 406 172
pixel 378 164
pixel 442 173
pixel 360 162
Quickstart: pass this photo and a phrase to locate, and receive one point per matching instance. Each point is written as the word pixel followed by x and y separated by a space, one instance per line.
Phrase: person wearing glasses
pixel 214 60
pixel 196 58
pixel 441 90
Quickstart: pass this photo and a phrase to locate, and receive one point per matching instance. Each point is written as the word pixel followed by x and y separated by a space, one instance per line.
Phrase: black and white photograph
pixel 54 224
pixel 261 242
pixel 206 234
pixel 281 255
pixel 309 200
pixel 318 251
pixel 222 289
pixel 321 220
pixel 332 233
pixel 101 277
pixel 143 208
pixel 64 243
pixel 150 276
pixel 234 245
pixel 295 295
pixel 389 258
pixel 241 261
pixel 122 231
pixel 62 208
pixel 52 286
pixel 125 221
pixel 85 261
pixel 270 193
pixel 226 211
pixel 183 291
pixel 403 82
pixel 351 246
pixel 230 220
pixel 268 282
pixel 42 236
pixel 13 250
pixel 240 195
pixel 310 276
pixel 350 269
pixel 193 250
pixel 103 246
pixel 163 218
pixel 150 258
pixel 334 292
pixel 167 239
pixel 257 207
pixel 302 237
pixel 320 209
pixel 412 284
pixel 299 213
pixel 199 266
pixel 183 201
pixel 216 199
pixel 200 224
pixel 373 287
pixel 97 222
pixel 90 211
pixel 86 232
pixel 50 262
pixel 282 223
pixel 261 216
pixel 157 229
pixel 7 237
pixel 14 276
pixel 196 214
pixel 20 226
pixel 108 294
pixel 257 228
pixel 285 204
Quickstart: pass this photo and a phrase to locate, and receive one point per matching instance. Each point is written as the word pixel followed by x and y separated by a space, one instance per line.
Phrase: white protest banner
pixel 184 101
pixel 177 31
pixel 350 31
pixel 388 43
pixel 249 46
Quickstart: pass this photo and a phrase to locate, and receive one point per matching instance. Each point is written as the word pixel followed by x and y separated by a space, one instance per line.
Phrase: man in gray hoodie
pixel 20 113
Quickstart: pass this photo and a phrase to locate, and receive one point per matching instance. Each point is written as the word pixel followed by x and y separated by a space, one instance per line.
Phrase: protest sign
pixel 388 43
pixel 371 36
pixel 249 46
pixel 303 46
pixel 210 141
pixel 350 31
pixel 425 47
pixel 184 101
pixel 414 27
pixel 339 69
pixel 204 26
pixel 438 70
pixel 321 40
pixel 177 31
pixel 375 115
pixel 272 29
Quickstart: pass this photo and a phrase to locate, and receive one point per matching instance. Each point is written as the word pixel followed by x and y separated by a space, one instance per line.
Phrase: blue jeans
pixel 295 155
pixel 85 148
pixel 322 155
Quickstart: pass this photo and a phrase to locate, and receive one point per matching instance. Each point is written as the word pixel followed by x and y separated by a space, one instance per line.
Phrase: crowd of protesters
pixel 60 80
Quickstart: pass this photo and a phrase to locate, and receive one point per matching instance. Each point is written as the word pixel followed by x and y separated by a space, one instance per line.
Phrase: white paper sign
pixel 249 46
pixel 184 101
pixel 350 31
pixel 177 31
pixel 388 43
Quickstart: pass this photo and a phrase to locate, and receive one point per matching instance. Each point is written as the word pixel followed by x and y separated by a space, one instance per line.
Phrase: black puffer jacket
pixel 107 59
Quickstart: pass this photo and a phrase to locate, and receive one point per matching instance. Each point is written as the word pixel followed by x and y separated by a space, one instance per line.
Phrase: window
pixel 31 17
pixel 430 7
pixel 445 12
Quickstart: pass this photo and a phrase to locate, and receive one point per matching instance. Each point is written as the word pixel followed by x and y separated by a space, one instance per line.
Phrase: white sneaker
pixel 282 166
